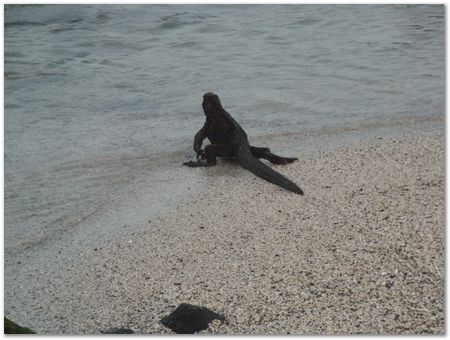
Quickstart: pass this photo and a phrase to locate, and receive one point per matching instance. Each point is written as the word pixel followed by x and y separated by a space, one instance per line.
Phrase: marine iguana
pixel 228 139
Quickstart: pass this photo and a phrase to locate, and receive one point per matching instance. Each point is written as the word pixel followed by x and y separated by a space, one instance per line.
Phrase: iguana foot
pixel 281 160
pixel 290 159
pixel 191 164
pixel 195 164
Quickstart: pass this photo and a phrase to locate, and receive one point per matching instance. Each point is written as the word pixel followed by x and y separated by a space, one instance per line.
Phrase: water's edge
pixel 167 184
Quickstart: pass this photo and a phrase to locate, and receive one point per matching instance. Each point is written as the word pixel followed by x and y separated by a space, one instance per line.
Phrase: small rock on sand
pixel 190 319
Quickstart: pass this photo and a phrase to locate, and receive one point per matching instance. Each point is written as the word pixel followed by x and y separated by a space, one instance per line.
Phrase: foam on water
pixel 95 94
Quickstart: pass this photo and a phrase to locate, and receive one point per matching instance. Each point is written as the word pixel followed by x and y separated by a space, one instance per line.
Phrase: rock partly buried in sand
pixel 13 328
pixel 118 331
pixel 190 319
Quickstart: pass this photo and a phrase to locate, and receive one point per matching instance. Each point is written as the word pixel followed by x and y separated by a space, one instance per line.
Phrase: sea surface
pixel 100 97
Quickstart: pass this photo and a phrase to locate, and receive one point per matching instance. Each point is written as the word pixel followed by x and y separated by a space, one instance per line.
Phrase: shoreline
pixel 163 168
pixel 132 279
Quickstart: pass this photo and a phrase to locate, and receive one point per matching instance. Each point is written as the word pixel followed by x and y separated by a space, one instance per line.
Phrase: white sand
pixel 361 252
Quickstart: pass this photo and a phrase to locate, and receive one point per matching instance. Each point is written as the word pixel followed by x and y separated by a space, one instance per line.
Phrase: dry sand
pixel 361 252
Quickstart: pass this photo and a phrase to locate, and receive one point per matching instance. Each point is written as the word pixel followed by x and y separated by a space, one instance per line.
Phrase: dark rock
pixel 190 319
pixel 118 331
pixel 13 328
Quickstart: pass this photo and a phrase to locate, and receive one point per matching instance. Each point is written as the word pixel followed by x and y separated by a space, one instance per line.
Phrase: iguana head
pixel 211 104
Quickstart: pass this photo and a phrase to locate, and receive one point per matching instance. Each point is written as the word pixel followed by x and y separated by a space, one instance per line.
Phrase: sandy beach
pixel 361 253
pixel 104 228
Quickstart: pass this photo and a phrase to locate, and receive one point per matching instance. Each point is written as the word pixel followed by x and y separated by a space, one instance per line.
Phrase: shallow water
pixel 95 96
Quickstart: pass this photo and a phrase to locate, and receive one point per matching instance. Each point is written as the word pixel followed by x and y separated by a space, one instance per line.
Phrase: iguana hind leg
pixel 265 153
pixel 211 152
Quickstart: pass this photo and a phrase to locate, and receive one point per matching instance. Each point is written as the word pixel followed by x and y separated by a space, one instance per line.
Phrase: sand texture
pixel 361 252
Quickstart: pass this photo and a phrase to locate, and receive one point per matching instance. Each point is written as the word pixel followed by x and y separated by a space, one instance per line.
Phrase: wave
pixel 180 19
pixel 23 23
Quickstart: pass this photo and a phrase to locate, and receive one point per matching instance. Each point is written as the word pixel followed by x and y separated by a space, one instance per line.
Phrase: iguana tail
pixel 247 161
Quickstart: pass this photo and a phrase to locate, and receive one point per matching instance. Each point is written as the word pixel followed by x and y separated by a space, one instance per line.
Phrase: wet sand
pixel 361 252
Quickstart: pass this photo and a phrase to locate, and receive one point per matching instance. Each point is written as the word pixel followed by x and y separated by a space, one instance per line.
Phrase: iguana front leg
pixel 198 140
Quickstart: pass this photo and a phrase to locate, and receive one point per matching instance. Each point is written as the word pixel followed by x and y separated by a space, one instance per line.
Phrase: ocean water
pixel 97 96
